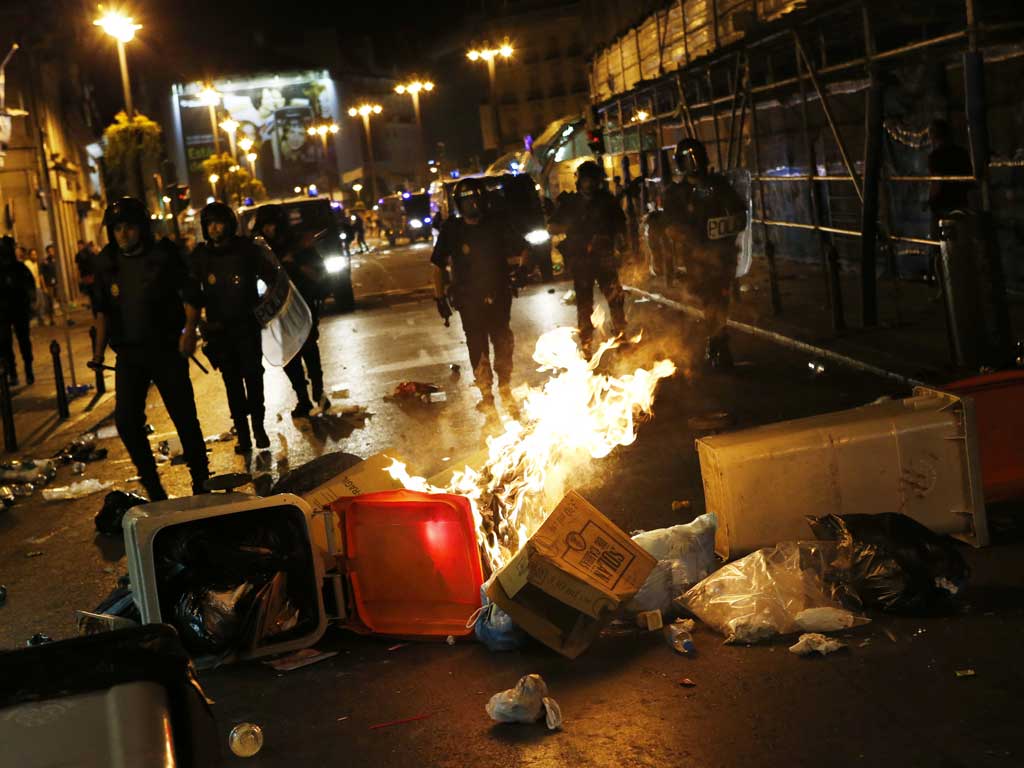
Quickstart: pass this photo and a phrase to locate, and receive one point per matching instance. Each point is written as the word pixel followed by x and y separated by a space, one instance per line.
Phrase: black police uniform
pixel 306 270
pixel 227 275
pixel 141 295
pixel 711 215
pixel 589 249
pixel 17 288
pixel 481 290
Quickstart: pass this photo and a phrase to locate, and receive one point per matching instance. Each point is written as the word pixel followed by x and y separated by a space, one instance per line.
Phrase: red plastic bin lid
pixel 413 561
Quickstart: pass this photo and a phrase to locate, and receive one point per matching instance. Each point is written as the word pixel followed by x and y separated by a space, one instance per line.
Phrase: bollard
pixel 58 375
pixel 101 384
pixel 7 411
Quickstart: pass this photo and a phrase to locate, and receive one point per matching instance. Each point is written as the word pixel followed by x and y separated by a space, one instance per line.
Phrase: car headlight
pixel 336 264
pixel 343 236
pixel 415 223
pixel 426 219
pixel 537 236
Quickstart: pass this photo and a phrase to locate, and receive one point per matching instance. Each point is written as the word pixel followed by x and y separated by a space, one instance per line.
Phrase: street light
pixel 214 178
pixel 413 89
pixel 122 28
pixel 251 157
pixel 230 126
pixel 245 144
pixel 490 55
pixel 323 130
pixel 365 111
pixel 211 99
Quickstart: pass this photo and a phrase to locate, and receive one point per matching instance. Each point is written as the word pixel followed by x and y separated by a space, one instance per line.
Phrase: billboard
pixel 274 111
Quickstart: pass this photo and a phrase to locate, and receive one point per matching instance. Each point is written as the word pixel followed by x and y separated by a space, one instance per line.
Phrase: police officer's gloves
pixel 444 309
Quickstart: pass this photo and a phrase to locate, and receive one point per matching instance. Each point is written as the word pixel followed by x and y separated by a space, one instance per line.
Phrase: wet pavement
pixel 890 701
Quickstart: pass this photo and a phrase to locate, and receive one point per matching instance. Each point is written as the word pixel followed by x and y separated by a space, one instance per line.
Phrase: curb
pixel 785 341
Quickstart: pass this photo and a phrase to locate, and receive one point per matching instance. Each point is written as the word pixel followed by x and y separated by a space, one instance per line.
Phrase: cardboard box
pixel 571 577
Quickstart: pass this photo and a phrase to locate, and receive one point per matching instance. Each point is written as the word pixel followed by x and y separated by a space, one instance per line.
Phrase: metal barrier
pixel 63 411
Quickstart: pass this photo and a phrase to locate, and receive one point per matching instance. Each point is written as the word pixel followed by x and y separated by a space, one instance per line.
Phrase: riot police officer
pixel 591 221
pixel 705 215
pixel 472 259
pixel 306 270
pixel 147 309
pixel 227 268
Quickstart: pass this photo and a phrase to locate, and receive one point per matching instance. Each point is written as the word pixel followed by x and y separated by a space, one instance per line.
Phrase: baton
pixel 99 366
pixel 201 366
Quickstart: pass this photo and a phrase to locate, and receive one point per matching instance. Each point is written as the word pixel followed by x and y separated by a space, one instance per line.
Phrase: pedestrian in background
pixel 48 281
pixel 31 261
pixel 17 291
pixel 86 273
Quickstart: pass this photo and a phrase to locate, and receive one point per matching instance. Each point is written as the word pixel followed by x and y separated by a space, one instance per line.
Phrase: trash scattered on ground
pixel 816 368
pixel 76 490
pixel 6 495
pixel 685 554
pixel 34 553
pixel 528 702
pixel 223 437
pixel 341 719
pixel 81 450
pixel 495 628
pixel 687 682
pixel 679 636
pixel 649 620
pixel 172 449
pixel 22 490
pixel 396 646
pixel 3 595
pixel 409 390
pixel 90 623
pixel 78 468
pixel 889 634
pixel 438 397
pixel 37 472
pixel 586 568
pixel 680 505
pixel 893 562
pixel 827 619
pixel 353 411
pixel 115 504
pixel 450 639
pixel 106 432
pixel 38 639
pixel 341 393
pixel 569 297
pixel 710 422
pixel 246 739
pixel 301 658
pixel 966 673
pixel 760 596
pixel 813 642
pixel 403 721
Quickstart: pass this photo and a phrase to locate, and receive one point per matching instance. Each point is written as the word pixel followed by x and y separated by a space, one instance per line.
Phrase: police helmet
pixel 218 212
pixel 269 214
pixel 469 189
pixel 691 157
pixel 128 210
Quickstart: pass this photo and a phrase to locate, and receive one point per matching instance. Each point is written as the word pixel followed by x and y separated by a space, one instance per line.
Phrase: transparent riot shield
pixel 283 313
pixel 739 179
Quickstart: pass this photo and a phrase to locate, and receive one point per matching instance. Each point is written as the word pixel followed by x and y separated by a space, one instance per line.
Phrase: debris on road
pixel 679 636
pixel 528 702
pixel 895 563
pixel 965 673
pixel 76 490
pixel 81 450
pixel 115 504
pixel 687 682
pixel 245 739
pixel 299 659
pixel 37 472
pixel 38 639
pixel 90 623
pixel 396 646
pixel 6 495
pixel 419 390
pixel 685 555
pixel 450 639
pixel 585 566
pixel 341 393
pixel 649 620
pixel 34 553
pixel 403 721
pixel 569 297
pixel 813 642
pixel 223 437
pixel 827 619
pixel 678 506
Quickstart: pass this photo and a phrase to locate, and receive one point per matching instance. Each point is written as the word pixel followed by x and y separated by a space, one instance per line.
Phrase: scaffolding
pixel 718 70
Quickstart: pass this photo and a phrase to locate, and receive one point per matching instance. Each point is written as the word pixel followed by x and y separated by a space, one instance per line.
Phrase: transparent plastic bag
pixel 76 490
pixel 528 702
pixel 771 592
pixel 685 553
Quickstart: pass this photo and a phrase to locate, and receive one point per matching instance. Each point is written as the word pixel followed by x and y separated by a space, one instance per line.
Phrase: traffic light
pixel 180 199
pixel 595 140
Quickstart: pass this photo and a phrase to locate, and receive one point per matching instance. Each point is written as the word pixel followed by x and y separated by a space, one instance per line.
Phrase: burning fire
pixel 577 415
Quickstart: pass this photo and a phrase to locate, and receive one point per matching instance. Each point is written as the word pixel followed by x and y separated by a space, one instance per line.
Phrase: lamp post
pixel 251 157
pixel 357 188
pixel 211 99
pixel 230 126
pixel 122 28
pixel 214 178
pixel 323 130
pixel 365 111
pixel 490 56
pixel 413 89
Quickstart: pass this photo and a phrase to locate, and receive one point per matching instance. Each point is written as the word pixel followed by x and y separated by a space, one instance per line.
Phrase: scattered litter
pixel 551 290
pixel 710 422
pixel 301 658
pixel 400 722
pixel 408 390
pixel 223 437
pixel 687 682
pixel 966 673
pixel 34 553
pixel 680 505
pixel 171 448
pixel 3 595
pixel 81 450
pixel 342 718
pixel 438 397
pixel 827 619
pixel 895 563
pixel 569 297
pixel 76 490
pixel 106 432
pixel 814 642
pixel 341 393
pixel 680 636
pixel 649 620
pixel 38 639
pixel 396 646
pixel 246 739
pixel 6 495
pixel 685 554
pixel 865 642
pixel 526 703
pixel 450 640
pixel 90 623
pixel 889 634
pixel 22 490
pixel 115 504
pixel 46 536
pixel 353 411
pixel 816 368
pixel 35 471
pixel 77 390
pixel 78 468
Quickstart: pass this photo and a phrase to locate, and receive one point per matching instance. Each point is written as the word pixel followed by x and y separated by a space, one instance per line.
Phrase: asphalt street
pixel 892 698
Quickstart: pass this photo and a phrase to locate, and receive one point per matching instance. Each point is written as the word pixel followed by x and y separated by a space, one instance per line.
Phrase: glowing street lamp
pixel 245 144
pixel 211 99
pixel 251 157
pixel 122 28
pixel 490 56
pixel 323 130
pixel 214 178
pixel 229 125
pixel 365 111
pixel 413 89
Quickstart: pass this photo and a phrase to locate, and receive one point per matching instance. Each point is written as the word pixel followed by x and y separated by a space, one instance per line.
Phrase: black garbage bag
pixel 892 562
pixel 209 620
pixel 115 504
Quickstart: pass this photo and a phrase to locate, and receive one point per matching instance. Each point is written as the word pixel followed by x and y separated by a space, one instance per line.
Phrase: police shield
pixel 739 180
pixel 284 315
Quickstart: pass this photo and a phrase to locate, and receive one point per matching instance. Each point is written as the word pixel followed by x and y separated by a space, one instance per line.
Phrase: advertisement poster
pixel 274 111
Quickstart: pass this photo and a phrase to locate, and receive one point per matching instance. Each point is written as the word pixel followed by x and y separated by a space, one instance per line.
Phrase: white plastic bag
pixel 764 593
pixel 526 703
pixel 76 490
pixel 686 555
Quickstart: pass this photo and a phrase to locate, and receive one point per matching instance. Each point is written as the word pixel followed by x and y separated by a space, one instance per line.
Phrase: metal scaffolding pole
pixel 714 116
pixel 769 247
pixel 873 117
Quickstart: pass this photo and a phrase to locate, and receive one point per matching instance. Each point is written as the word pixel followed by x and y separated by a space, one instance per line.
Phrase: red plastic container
pixel 412 560
pixel 999 411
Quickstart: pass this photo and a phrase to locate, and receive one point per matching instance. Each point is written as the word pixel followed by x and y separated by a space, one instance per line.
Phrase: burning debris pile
pixel 579 414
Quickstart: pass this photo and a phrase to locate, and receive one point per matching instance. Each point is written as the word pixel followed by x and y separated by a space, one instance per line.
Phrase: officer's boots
pixel 259 433
pixel 244 440
pixel 153 487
